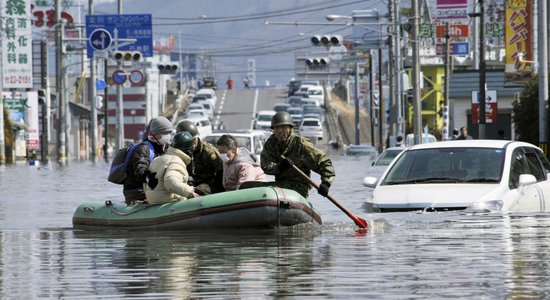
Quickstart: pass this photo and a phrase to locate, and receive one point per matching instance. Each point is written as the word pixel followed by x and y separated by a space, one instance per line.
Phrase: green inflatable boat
pixel 249 208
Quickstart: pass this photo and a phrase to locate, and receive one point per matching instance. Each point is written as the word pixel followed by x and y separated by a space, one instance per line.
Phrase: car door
pixel 531 197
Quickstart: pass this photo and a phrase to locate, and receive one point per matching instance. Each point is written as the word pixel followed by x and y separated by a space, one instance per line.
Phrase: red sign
pixel 490 113
pixel 455 30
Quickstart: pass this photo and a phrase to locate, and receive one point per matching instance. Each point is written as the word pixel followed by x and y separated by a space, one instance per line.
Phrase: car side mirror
pixel 370 182
pixel 526 179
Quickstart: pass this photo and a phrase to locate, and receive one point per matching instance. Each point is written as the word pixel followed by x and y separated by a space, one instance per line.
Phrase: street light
pixel 334 17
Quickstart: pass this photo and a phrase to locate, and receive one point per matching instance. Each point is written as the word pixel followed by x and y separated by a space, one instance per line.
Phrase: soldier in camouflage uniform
pixel 206 167
pixel 298 151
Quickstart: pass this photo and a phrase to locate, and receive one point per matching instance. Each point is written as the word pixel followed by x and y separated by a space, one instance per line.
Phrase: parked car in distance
pixel 361 150
pixel 293 86
pixel 311 127
pixel 281 107
pixel 196 114
pixel 263 119
pixel 309 101
pixel 204 126
pixel 426 138
pixel 198 98
pixel 472 175
pixel 316 93
pixel 209 82
pixel 295 100
pixel 209 94
pixel 381 163
pixel 312 109
pixel 253 140
pixel 297 115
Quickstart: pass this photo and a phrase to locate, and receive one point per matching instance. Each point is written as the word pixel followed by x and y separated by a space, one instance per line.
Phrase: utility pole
pixel 482 88
pixel 543 75
pixel 357 122
pixel 392 68
pixel 61 125
pixel 119 98
pixel 93 97
pixel 417 109
pixel 398 66
pixel 381 106
pixel 371 93
pixel 446 126
pixel 2 133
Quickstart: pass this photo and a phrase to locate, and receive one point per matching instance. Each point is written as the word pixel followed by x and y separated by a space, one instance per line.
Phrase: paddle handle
pixel 358 221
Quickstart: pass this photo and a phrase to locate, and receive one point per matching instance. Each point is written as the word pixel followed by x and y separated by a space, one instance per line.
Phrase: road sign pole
pixel 92 97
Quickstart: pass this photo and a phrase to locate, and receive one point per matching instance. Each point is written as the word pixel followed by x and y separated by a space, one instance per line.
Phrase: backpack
pixel 119 165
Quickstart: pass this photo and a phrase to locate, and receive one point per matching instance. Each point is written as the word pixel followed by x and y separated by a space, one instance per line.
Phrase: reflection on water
pixel 403 255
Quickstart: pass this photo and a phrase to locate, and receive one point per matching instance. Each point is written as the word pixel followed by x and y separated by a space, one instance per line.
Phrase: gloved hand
pixel 323 189
pixel 285 164
pixel 152 181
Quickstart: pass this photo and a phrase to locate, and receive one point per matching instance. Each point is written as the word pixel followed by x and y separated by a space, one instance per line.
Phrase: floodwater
pixel 402 256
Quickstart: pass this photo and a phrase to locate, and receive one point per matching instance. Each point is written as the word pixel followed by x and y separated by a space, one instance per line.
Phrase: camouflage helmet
pixel 281 118
pixel 183 141
pixel 188 126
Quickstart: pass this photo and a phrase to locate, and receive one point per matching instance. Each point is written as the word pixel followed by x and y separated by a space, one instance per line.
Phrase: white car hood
pixel 431 195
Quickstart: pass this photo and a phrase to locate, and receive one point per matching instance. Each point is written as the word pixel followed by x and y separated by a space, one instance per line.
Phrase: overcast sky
pixel 233 31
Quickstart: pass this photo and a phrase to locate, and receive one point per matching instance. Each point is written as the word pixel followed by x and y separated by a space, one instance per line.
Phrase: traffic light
pixel 127 56
pixel 41 96
pixel 317 61
pixel 326 40
pixel 167 68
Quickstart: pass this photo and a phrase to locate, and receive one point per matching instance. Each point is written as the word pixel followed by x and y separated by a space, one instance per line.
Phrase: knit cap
pixel 160 125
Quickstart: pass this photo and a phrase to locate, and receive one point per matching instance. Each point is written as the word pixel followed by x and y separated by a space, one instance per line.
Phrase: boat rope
pixel 109 204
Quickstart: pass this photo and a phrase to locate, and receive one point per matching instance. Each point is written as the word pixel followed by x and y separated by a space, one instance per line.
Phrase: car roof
pixel 310 119
pixel 469 143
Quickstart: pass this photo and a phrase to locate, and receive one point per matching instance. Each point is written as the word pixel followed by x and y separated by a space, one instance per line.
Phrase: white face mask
pixel 165 139
pixel 224 157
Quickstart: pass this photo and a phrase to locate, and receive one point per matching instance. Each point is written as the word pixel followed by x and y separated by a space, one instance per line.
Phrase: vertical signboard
pixel 16 44
pixel 518 37
pixel 31 111
pixel 491 109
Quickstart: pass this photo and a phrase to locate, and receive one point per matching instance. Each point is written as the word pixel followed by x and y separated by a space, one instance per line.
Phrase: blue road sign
pixel 100 39
pixel 100 84
pixel 461 48
pixel 119 77
pixel 138 27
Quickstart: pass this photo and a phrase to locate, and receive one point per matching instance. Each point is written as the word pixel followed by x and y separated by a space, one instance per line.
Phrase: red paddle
pixel 358 221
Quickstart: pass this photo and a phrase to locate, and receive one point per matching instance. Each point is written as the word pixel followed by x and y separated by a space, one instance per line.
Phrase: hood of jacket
pixel 244 156
pixel 177 152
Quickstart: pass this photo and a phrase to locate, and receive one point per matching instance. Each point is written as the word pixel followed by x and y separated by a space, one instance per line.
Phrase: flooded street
pixel 403 255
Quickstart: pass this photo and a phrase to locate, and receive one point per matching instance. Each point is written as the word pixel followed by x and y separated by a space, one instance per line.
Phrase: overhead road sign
pixel 137 26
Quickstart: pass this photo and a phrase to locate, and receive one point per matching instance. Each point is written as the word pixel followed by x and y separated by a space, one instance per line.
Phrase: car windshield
pixel 443 165
pixel 264 118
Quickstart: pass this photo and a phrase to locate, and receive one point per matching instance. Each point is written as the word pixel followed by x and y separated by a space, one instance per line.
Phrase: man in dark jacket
pixel 159 135
pixel 206 167
pixel 298 151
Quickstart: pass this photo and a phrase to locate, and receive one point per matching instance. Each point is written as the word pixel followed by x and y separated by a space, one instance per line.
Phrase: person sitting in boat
pixel 170 172
pixel 297 151
pixel 206 167
pixel 239 165
pixel 159 135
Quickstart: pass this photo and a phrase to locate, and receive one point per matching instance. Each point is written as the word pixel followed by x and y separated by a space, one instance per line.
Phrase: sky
pixel 233 31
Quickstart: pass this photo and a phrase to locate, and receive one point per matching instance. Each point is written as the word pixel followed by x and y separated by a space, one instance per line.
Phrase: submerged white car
pixel 474 175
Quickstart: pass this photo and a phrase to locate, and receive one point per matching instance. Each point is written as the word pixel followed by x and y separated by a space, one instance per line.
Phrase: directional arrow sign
pixel 138 27
pixel 100 39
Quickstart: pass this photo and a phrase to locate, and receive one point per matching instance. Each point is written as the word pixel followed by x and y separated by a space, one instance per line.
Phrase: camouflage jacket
pixel 207 167
pixel 304 155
